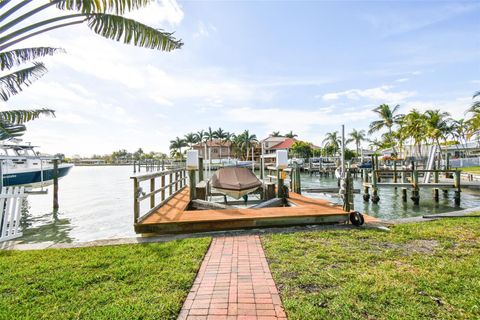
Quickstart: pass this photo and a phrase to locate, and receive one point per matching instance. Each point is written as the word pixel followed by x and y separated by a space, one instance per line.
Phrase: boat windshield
pixel 26 152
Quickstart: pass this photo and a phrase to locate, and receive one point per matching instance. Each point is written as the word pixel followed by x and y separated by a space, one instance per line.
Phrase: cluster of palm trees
pixel 416 128
pixel 239 144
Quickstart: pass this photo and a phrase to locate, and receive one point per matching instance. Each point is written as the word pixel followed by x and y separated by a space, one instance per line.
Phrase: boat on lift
pixel 21 165
pixel 235 181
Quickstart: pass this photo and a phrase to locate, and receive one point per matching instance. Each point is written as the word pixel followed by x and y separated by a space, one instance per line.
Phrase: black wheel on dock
pixel 356 218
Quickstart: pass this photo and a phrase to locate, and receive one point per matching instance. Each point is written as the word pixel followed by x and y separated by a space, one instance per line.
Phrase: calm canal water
pixel 96 203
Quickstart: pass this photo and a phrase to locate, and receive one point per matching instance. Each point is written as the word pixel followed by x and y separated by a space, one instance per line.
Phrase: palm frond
pixel 8 130
pixel 12 83
pixel 101 6
pixel 16 57
pixel 4 3
pixel 21 116
pixel 130 31
pixel 477 94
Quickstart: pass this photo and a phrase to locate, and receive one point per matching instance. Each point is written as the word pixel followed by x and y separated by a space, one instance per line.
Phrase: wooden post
pixel 366 195
pixel 134 167
pixel 415 191
pixel 191 176
pixel 298 180
pixel 457 186
pixel 170 185
pixel 404 194
pixel 152 196
pixel 200 169
pixel 163 187
pixel 280 191
pixel 375 197
pixel 55 184
pixel 136 204
pixel 395 171
pixel 435 190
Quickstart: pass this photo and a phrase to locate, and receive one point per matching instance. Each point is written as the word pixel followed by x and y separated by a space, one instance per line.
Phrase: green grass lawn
pixel 148 281
pixel 474 170
pixel 427 270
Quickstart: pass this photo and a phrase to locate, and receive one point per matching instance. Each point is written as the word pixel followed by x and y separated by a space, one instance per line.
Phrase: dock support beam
pixel 404 194
pixel 280 190
pixel 457 186
pixel 192 185
pixel 200 169
pixel 415 191
pixel 366 195
pixel 55 184
pixel 375 197
pixel 436 190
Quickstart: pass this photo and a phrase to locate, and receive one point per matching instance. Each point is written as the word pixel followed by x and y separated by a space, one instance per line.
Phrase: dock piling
pixel 55 184
pixel 415 190
pixel 375 197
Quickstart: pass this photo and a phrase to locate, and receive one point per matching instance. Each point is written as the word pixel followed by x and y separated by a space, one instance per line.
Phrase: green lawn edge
pixel 139 281
pixel 427 270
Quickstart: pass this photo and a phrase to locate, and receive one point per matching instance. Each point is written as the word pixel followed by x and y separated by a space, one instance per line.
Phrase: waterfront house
pixel 218 149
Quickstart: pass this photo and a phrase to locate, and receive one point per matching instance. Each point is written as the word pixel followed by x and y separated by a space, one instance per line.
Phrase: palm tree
pixel 27 19
pixel 190 139
pixel 275 134
pixel 474 122
pixel 12 122
pixel 475 108
pixel 209 136
pixel 220 134
pixel 438 126
pixel 246 141
pixel 177 145
pixel 357 137
pixel 387 119
pixel 332 140
pixel 230 138
pixel 291 135
pixel 414 127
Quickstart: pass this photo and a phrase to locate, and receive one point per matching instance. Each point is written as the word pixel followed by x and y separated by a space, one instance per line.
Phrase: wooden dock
pixel 174 216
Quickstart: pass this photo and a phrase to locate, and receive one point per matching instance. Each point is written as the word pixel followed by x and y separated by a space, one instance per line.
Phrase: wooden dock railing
pixel 410 179
pixel 162 186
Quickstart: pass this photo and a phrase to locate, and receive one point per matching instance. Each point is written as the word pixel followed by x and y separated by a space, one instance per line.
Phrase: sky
pixel 305 66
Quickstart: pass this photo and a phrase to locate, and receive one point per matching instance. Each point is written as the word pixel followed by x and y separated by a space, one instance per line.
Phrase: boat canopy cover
pixel 235 179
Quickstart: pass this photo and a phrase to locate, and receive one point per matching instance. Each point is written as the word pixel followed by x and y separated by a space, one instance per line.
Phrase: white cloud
pixel 402 80
pixel 382 93
pixel 158 13
pixel 204 30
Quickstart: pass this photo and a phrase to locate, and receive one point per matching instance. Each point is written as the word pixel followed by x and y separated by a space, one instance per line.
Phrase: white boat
pixel 20 165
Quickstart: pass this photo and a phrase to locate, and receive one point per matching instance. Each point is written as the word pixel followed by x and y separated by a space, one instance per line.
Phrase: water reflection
pixel 50 226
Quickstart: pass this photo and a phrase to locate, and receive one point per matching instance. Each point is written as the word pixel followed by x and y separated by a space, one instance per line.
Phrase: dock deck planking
pixel 173 217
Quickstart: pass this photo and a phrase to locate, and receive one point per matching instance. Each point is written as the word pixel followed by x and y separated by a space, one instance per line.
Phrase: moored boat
pixel 20 165
pixel 235 181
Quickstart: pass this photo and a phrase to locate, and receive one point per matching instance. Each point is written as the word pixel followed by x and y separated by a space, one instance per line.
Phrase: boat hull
pixel 33 178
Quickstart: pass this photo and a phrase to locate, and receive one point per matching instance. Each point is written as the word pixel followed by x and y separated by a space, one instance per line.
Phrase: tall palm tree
pixel 177 145
pixel 473 122
pixel 220 134
pixel 291 135
pixel 333 141
pixel 21 20
pixel 209 136
pixel 438 126
pixel 357 137
pixel 190 139
pixel 414 128
pixel 230 138
pixel 388 118
pixel 247 140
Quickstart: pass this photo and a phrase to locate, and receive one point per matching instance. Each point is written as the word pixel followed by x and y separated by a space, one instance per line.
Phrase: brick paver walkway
pixel 234 282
